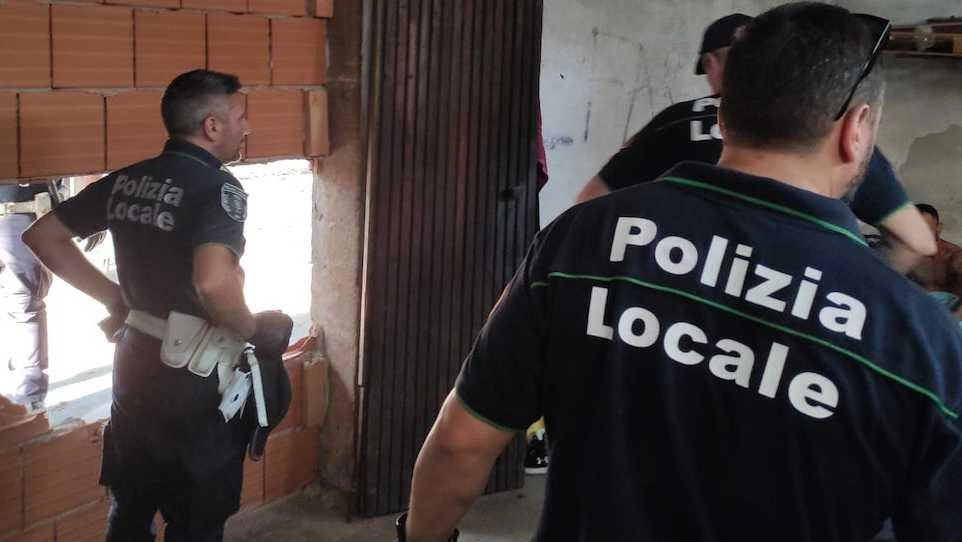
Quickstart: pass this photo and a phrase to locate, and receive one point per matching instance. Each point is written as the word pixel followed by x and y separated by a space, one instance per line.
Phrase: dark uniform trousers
pixel 160 455
pixel 24 283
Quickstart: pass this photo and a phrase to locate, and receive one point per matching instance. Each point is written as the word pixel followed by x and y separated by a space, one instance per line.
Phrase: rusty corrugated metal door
pixel 452 206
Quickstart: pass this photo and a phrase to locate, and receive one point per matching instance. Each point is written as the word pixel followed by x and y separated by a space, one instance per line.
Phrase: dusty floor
pixel 505 517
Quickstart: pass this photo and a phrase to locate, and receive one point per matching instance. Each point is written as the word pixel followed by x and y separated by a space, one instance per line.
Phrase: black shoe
pixel 536 461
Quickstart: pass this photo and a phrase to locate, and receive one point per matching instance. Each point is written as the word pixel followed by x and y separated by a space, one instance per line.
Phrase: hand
pixel 94 240
pixel 112 324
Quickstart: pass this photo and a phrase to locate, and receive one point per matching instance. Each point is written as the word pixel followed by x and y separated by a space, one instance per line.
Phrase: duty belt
pixel 231 379
pixel 147 323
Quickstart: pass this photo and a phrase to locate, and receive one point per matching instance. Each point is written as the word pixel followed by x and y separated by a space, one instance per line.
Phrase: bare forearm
pixel 219 282
pixel 906 238
pixel 225 304
pixel 899 256
pixel 444 486
pixel 65 260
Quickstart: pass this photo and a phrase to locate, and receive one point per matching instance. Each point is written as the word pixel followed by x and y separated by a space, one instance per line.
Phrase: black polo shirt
pixel 720 357
pixel 681 132
pixel 158 211
pixel 688 131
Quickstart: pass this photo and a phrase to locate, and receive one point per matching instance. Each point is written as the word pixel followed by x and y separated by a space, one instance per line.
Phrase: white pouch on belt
pixel 192 342
pixel 184 334
pixel 218 347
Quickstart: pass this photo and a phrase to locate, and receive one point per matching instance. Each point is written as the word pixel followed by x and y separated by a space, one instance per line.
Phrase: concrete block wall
pixel 49 488
pixel 80 83
pixel 608 67
pixel 921 130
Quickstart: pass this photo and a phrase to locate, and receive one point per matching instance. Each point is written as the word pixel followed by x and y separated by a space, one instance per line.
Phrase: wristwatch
pixel 402 536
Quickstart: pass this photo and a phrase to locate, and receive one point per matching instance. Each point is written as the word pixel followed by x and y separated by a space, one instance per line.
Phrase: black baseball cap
pixel 720 33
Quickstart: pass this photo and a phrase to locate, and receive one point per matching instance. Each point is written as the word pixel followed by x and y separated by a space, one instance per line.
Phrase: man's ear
pixel 857 127
pixel 211 127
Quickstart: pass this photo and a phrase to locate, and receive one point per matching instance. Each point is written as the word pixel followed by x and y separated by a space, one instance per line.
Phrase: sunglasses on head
pixel 879 27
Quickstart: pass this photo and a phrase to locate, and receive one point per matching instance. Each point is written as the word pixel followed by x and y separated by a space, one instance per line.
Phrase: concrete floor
pixel 505 517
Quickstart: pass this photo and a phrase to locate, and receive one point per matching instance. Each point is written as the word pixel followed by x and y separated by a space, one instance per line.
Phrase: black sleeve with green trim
pixel 500 381
pixel 881 192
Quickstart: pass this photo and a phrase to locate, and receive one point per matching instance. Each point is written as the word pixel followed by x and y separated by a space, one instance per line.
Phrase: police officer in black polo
pixel 689 131
pixel 24 283
pixel 177 222
pixel 718 354
pixel 683 131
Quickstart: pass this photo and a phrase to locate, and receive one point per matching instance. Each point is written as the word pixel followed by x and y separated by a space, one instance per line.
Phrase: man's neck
pixel 793 169
pixel 204 144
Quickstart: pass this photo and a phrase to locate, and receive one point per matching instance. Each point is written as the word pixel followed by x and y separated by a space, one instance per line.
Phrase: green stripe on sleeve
pixel 882 220
pixel 482 418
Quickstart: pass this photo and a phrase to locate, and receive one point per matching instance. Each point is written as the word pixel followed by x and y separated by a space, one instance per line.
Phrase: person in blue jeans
pixel 24 283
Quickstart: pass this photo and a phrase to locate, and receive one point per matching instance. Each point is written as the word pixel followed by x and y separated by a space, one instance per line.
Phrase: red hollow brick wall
pixel 49 489
pixel 80 88
pixel 80 80
pixel 24 45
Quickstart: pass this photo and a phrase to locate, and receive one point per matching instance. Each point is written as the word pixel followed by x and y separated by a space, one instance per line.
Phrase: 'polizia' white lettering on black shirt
pixel 144 201
pixel 838 312
pixel 686 343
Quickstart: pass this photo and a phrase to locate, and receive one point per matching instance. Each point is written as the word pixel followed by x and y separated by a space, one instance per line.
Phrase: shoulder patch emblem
pixel 234 202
